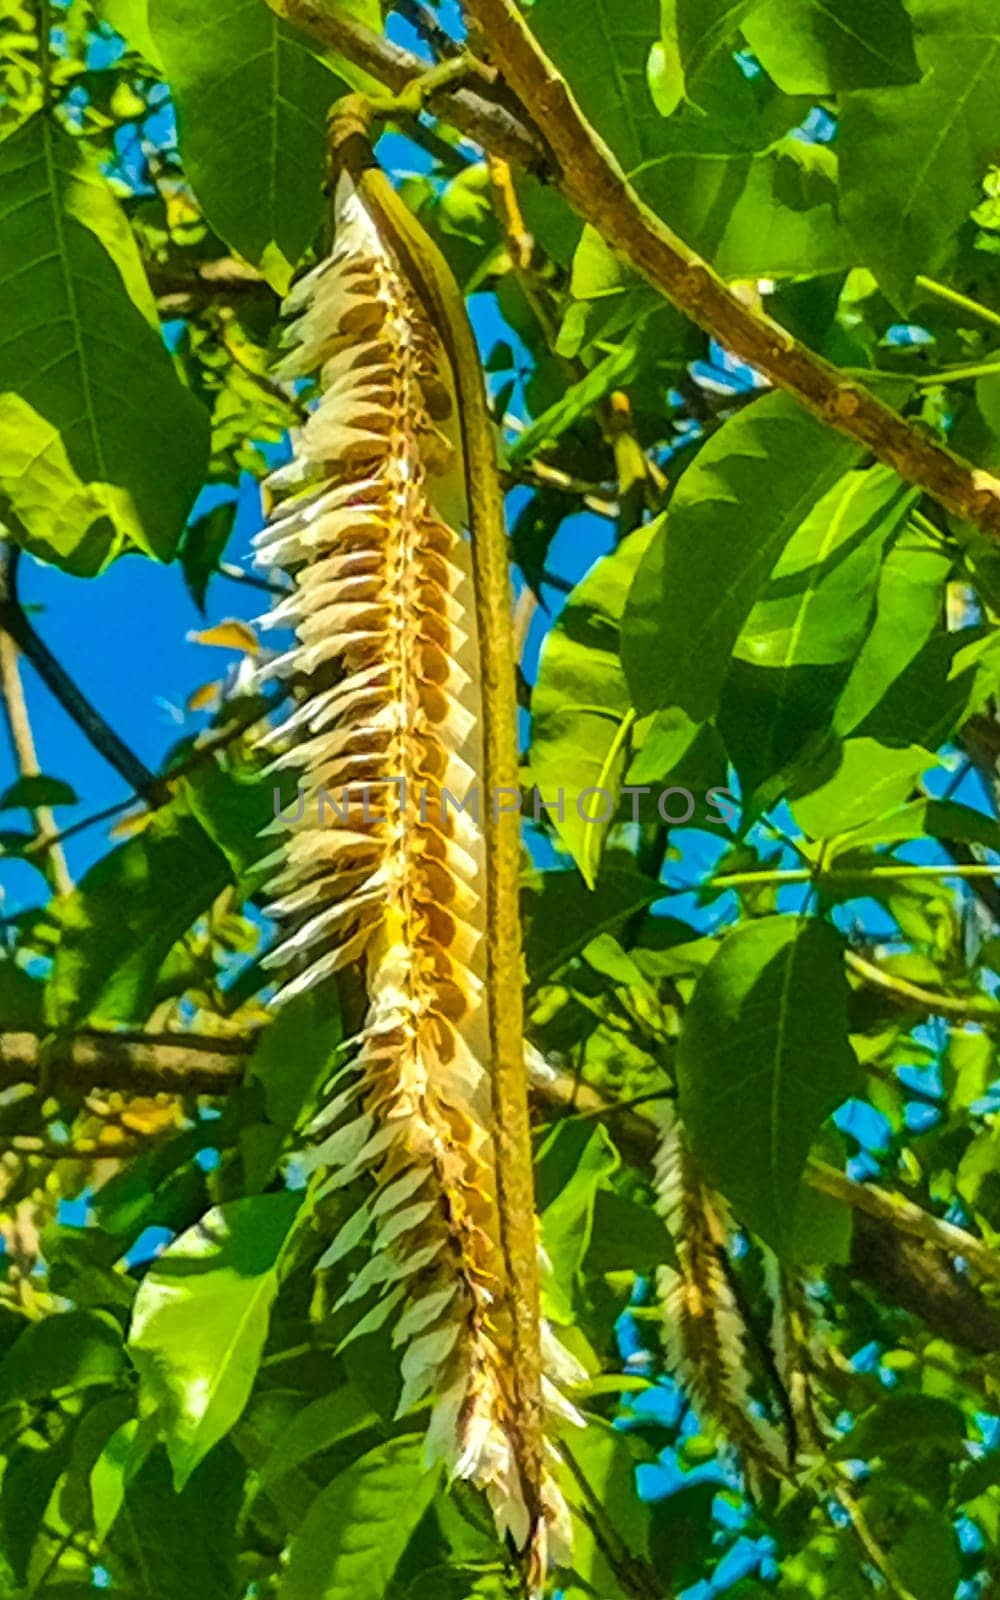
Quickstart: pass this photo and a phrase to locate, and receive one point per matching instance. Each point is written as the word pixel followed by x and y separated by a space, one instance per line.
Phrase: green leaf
pixel 906 1422
pixel 234 808
pixel 817 600
pixel 940 819
pixel 22 999
pixel 294 1053
pixel 736 507
pixel 824 46
pixel 696 35
pixel 251 108
pixel 615 371
pixel 63 1353
pixel 29 1481
pixel 203 546
pixel 680 1535
pixel 201 1319
pixel 120 923
pixel 174 1546
pixel 607 1465
pixel 80 1263
pixel 763 1059
pixel 121 1458
pixel 164 1187
pixel 74 1507
pixel 907 611
pixel 99 441
pixel 626 1236
pixel 912 158
pixel 868 780
pixel 567 1218
pixel 771 214
pixel 824 1230
pixel 359 1526
pixel 795 652
pixel 581 710
pixel 37 791
pixel 927 1558
pixel 563 915
pixel 318 1426
pixel 603 55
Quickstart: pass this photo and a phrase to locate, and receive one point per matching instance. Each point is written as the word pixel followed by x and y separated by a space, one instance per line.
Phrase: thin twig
pixel 14 622
pixel 540 475
pixel 45 51
pixel 956 1007
pixel 210 746
pixel 25 755
pixel 633 1575
pixel 425 24
pixel 869 1544
pixel 906 1216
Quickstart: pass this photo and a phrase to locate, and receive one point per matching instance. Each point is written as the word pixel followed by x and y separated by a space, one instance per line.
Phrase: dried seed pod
pixel 703 1327
pixel 367 519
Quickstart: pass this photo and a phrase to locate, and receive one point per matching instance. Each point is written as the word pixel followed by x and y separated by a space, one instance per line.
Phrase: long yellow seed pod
pixel 383 867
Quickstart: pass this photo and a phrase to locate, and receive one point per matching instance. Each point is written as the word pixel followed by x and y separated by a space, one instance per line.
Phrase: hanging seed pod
pixel 383 868
pixel 703 1328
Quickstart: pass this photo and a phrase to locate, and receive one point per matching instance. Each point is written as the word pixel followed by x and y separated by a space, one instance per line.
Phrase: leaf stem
pixel 896 869
pixel 941 291
pixel 980 369
pixel 959 1009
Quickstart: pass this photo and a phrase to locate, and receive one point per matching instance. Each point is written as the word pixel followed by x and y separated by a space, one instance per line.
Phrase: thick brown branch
pixel 595 186
pixel 557 142
pixel 180 290
pixel 92 1060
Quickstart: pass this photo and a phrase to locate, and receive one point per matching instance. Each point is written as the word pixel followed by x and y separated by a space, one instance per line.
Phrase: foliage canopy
pixel 764 976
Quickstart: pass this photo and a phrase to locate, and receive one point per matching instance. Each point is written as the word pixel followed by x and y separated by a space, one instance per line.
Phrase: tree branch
pixel 26 758
pixel 930 1001
pixel 555 141
pixel 425 24
pixel 900 1251
pixel 480 113
pixel 180 1064
pixel 57 680
pixel 180 290
pixel 595 186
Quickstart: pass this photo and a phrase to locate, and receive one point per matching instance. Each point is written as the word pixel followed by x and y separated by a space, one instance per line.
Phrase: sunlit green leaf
pixel 581 710
pixel 122 920
pixel 822 46
pixel 912 158
pixel 744 496
pixel 101 440
pixel 251 104
pixel 201 1318
pixel 764 1057
pixel 359 1525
